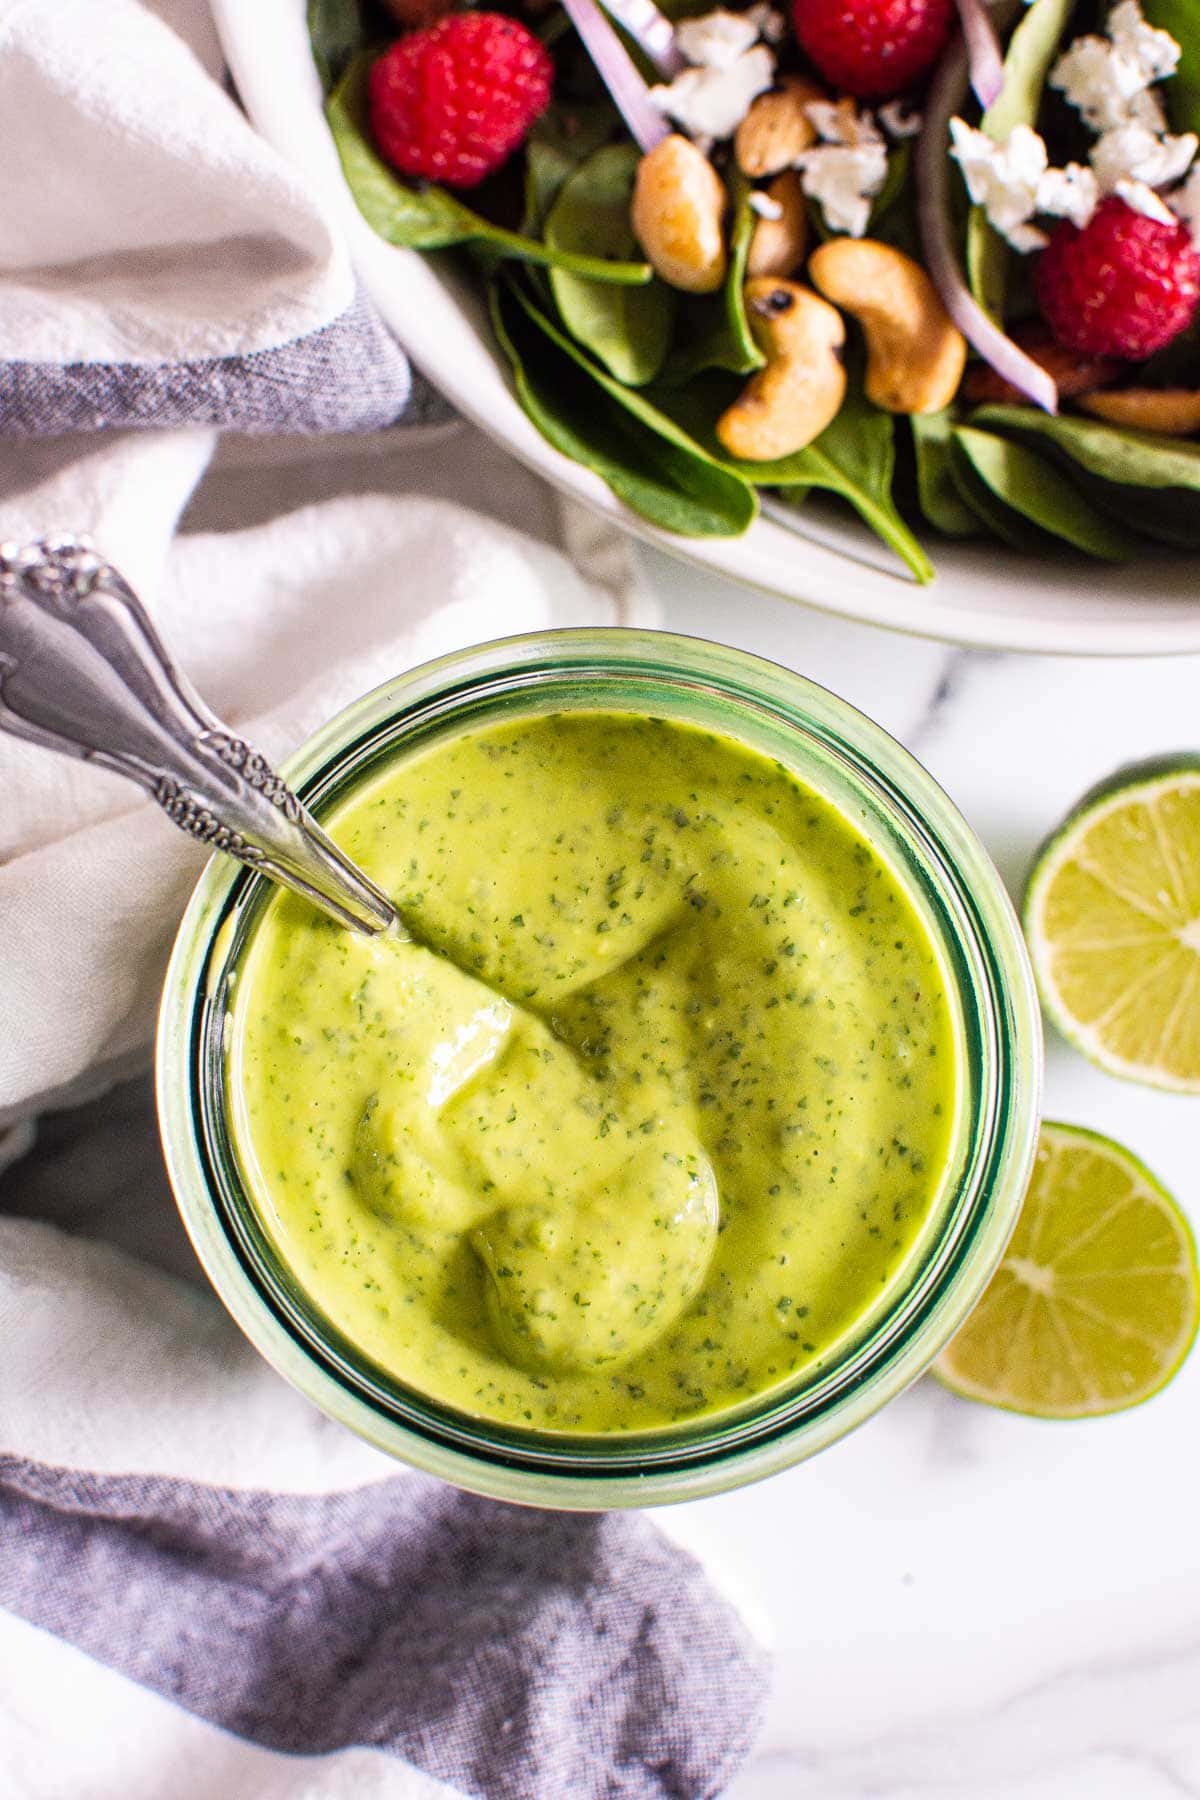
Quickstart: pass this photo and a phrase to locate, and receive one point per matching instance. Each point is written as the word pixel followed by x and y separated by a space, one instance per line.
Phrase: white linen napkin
pixel 278 626
pixel 238 1597
pixel 207 1588
pixel 162 265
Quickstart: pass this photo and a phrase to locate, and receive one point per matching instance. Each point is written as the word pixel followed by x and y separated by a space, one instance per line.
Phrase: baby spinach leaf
pixel 937 494
pixel 1148 483
pixel 337 32
pixel 893 216
pixel 1033 46
pixel 647 461
pixel 1167 516
pixel 1181 94
pixel 1130 458
pixel 987 264
pixel 714 332
pixel 629 329
pixel 563 137
pixel 895 185
pixel 853 457
pixel 746 354
pixel 429 218
pixel 1030 486
pixel 1000 519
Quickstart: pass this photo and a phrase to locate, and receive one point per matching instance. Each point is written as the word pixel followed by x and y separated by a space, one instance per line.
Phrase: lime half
pixel 1096 1302
pixel 1112 916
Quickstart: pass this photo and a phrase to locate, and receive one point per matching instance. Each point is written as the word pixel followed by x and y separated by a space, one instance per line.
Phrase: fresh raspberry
pixel 873 49
pixel 1124 285
pixel 453 100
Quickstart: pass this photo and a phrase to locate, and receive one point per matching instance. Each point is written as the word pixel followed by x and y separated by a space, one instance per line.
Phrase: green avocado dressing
pixel 651 1118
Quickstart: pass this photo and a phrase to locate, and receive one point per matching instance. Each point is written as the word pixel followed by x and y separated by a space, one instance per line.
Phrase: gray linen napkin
pixel 511 1653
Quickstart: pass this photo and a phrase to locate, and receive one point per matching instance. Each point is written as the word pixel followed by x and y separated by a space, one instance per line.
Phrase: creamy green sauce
pixel 651 1119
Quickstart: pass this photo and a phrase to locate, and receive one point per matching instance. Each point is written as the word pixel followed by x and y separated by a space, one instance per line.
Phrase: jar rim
pixel 713 1452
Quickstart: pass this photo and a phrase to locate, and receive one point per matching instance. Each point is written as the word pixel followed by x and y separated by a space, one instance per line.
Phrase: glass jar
pixel 954 888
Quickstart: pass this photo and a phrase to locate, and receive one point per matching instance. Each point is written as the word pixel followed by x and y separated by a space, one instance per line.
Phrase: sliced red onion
pixel 618 72
pixel 984 55
pixel 933 215
pixel 652 32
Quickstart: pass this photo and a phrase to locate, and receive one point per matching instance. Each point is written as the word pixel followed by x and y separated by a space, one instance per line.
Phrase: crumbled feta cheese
pixel 840 122
pixel 1131 153
pixel 1096 81
pixel 846 170
pixel 1003 178
pixel 1026 238
pixel 1185 204
pixel 717 40
pixel 764 206
pixel 771 25
pixel 1109 81
pixel 1012 181
pixel 1107 78
pixel 1069 193
pixel 844 178
pixel 1154 52
pixel 898 123
pixel 730 68
pixel 712 102
pixel 1143 199
pixel 1146 109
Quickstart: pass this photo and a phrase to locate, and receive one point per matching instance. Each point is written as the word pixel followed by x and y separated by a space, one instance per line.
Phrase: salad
pixel 937 260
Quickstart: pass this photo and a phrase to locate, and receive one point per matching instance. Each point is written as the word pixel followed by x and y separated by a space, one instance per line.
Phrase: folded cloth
pixel 213 1573
pixel 278 626
pixel 160 264
pixel 207 1588
pixel 200 1572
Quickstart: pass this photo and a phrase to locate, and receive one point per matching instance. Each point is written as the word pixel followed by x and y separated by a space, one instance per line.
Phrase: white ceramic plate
pixel 984 594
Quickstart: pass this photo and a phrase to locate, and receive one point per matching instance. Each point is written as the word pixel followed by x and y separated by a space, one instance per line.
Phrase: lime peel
pixel 1097 1300
pixel 1112 918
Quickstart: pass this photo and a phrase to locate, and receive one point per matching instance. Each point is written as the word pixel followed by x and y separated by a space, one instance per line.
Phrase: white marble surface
pixel 966 1605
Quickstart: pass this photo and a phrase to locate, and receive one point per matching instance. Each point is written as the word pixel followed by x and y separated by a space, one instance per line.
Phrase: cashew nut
pixel 790 402
pixel 915 354
pixel 776 129
pixel 678 206
pixel 1173 410
pixel 777 245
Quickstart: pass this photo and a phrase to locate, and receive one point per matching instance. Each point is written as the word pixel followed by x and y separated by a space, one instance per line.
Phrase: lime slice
pixel 1112 916
pixel 1096 1302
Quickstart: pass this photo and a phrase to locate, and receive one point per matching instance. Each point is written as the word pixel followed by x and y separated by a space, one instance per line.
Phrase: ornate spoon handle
pixel 83 671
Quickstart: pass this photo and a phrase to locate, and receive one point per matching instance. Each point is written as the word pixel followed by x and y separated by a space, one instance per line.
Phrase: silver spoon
pixel 83 671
